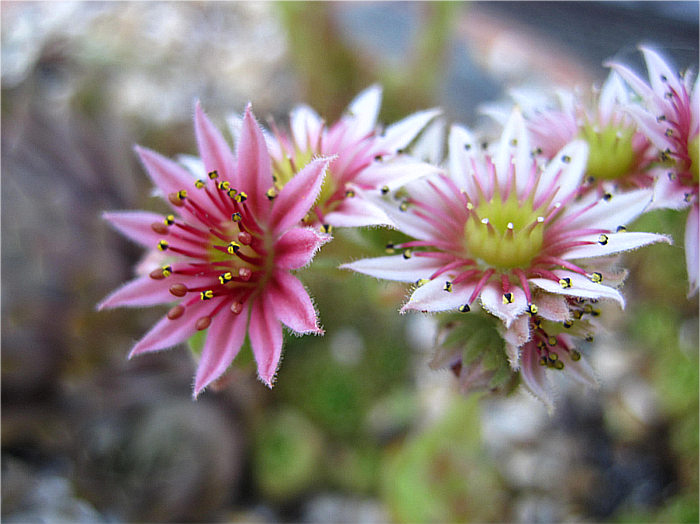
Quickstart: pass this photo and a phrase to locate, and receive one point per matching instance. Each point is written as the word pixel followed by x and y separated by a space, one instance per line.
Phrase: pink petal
pixel 552 307
pixel 297 247
pixel 668 194
pixel 291 303
pixel 364 110
pixel 357 212
pixel 306 126
pixel 297 196
pixel 224 340
pixel 535 377
pixel 169 176
pixel 637 84
pixel 400 134
pixel 492 301
pixel 616 243
pixel 136 225
pixel 141 292
pixel 167 333
pixel 580 287
pixel 433 297
pixel 254 167
pixel 213 148
pixel 515 336
pixel 515 132
pixel 396 267
pixel 657 67
pixel 265 335
pixel 691 249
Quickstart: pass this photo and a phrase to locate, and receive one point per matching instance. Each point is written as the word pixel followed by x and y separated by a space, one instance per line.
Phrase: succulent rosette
pixel 365 158
pixel 506 232
pixel 667 110
pixel 228 251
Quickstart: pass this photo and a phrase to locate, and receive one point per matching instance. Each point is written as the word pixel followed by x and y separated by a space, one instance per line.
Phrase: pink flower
pixel 230 250
pixel 365 159
pixel 510 232
pixel 669 116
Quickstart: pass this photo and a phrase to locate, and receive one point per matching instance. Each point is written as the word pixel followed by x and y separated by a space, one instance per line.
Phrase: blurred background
pixel 358 428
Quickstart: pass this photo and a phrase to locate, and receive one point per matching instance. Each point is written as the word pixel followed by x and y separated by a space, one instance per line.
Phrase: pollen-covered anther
pixel 568 324
pixel 565 282
pixel 607 197
pixel 406 254
pixel 233 248
pixel 245 238
pixel 552 341
pixel 384 190
pixel 236 308
pixel 159 228
pixel 349 193
pixel 448 286
pixel 597 277
pixel 326 228
pixel 224 185
pixel 236 217
pixel 167 271
pixel 176 312
pixel 558 365
pixel 589 338
pixel 688 197
pixel 163 245
pixel 178 290
pixel 199 184
pixel 532 309
pixel 157 274
pixel 245 273
pixel 543 361
pixel 507 298
pixel 464 308
pixel 271 193
pixel 574 355
pixel 422 282
pixel 566 159
pixel 621 229
pixel 603 239
pixel 202 323
pixel 213 175
pixel 403 206
pixel 206 295
pixel 232 193
pixel 389 248
pixel 225 278
pixel 241 197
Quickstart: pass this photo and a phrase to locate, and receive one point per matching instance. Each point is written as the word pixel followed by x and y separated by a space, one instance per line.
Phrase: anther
pixel 607 197
pixel 621 229
pixel 574 355
pixel 349 193
pixel 182 194
pixel 467 147
pixel 537 323
pixel 565 283
pixel 390 248
pixel 672 176
pixel 568 324
pixel 559 365
pixel 178 290
pixel 566 159
pixel 167 271
pixel 245 273
pixel 199 184
pixel 224 185
pixel 669 132
pixel 464 308
pixel 225 278
pixel 169 220
pixel 552 341
pixel 403 206
pixel 603 239
pixel 175 200
pixel 589 338
pixel 232 193
pixel 163 245
pixel 595 313
pixel 688 197
pixel 233 248
pixel 159 228
pixel 241 197
pixel 378 158
pixel 590 180
pixel 384 190
pixel 597 278
pixel 407 254
pixel 271 193
pixel 236 308
pixel 326 228
pixel 202 323
pixel 176 312
pixel 422 281
pixel 206 295
pixel 532 309
pixel 514 142
pixel 213 175
pixel 507 298
pixel 236 217
pixel 157 274
pixel 448 286
pixel 542 361
pixel 245 238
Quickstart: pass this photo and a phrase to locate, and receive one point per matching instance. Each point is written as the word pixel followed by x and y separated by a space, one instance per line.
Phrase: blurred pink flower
pixel 510 232
pixel 669 115
pixel 230 250
pixel 365 159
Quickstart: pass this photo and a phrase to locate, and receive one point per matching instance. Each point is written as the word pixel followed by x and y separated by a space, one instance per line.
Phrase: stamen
pixel 245 238
pixel 448 286
pixel 241 197
pixel 574 355
pixel 236 217
pixel 326 228
pixel 213 175
pixel 176 312
pixel 233 248
pixel 407 254
pixel 157 274
pixel 245 273
pixel 202 323
pixel 225 278
pixel 532 309
pixel 390 248
pixel 236 308
pixel 163 245
pixel 206 295
pixel 603 239
pixel 565 282
pixel 199 184
pixel 507 298
pixel 179 290
pixel 167 271
pixel 169 220
pixel 464 308
pixel 160 228
pixel 597 277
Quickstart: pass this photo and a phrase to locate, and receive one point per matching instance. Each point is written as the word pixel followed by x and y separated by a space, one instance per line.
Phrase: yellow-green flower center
pixel 693 152
pixel 506 234
pixel 610 151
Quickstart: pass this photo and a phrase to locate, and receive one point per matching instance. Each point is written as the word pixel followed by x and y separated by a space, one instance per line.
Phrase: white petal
pixel 357 212
pixel 395 173
pixel 691 249
pixel 463 146
pixel 433 297
pixel 364 110
pixel 395 267
pixel 305 124
pixel 565 170
pixel 580 287
pixel 616 243
pixel 552 307
pixel 400 134
pixel 620 210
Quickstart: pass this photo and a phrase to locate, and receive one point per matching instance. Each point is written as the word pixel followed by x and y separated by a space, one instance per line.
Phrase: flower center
pixel 504 233
pixel 610 151
pixel 693 153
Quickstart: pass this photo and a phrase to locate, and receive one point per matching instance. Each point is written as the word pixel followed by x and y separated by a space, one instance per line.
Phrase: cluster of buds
pixel 512 243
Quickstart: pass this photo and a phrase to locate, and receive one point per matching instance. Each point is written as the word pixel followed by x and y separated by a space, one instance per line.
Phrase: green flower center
pixel 506 234
pixel 693 153
pixel 610 151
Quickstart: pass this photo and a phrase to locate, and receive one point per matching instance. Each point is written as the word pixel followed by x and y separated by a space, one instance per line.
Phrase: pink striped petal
pixel 141 292
pixel 297 196
pixel 136 225
pixel 691 249
pixel 213 148
pixel 580 287
pixel 295 248
pixel 169 176
pixel 265 335
pixel 396 268
pixel 620 210
pixel 616 243
pixel 254 166
pixel 224 340
pixel 291 303
pixel 535 378
pixel 517 335
pixel 433 297
pixel 492 300
pixel 306 126
pixel 168 333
